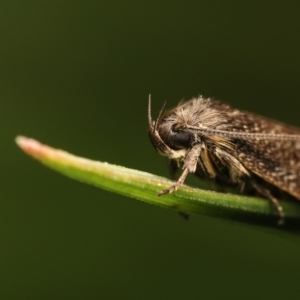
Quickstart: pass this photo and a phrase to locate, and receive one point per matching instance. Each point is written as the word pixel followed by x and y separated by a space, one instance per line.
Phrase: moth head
pixel 168 139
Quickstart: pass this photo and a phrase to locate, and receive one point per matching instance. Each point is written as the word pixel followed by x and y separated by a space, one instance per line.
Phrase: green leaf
pixel 144 186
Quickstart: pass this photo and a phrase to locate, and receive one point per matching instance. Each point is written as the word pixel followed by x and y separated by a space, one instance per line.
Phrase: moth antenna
pixel 159 115
pixel 245 135
pixel 149 114
pixel 149 111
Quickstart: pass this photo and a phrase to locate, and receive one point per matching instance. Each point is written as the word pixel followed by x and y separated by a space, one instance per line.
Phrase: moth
pixel 235 148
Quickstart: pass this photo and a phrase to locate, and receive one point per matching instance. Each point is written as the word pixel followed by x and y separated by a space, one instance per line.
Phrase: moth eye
pixel 180 139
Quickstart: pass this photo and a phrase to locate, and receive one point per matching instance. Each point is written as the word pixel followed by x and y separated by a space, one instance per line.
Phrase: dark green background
pixel 76 75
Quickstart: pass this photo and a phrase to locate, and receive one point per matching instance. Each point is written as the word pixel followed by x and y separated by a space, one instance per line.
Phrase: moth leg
pixel 184 215
pixel 173 168
pixel 176 185
pixel 189 166
pixel 267 194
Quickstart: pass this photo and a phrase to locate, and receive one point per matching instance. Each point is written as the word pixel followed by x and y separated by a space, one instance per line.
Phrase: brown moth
pixel 232 147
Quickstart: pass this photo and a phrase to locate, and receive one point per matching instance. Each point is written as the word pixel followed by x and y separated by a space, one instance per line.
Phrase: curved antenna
pixel 159 115
pixel 149 111
pixel 151 125
pixel 245 135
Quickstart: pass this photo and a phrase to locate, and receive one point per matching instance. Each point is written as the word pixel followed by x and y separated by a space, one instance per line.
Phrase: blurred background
pixel 76 75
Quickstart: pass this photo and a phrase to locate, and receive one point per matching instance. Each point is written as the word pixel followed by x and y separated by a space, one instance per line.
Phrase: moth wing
pixel 275 161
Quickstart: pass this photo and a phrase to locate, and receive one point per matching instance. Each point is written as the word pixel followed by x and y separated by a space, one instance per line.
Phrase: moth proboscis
pixel 213 140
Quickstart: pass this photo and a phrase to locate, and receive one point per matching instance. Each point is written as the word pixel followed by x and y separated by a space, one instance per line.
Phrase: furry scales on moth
pixel 214 140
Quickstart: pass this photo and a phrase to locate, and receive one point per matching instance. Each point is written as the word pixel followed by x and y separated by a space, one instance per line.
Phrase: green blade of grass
pixel 144 186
